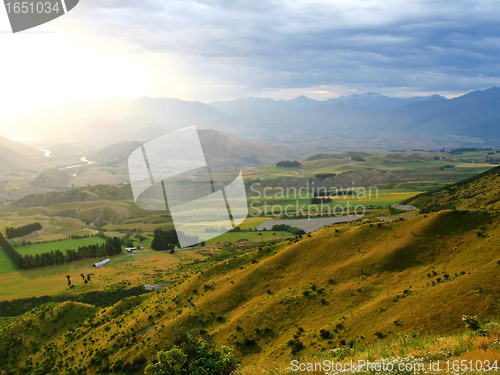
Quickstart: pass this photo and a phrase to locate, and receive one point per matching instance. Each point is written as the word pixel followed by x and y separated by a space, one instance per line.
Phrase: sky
pixel 227 49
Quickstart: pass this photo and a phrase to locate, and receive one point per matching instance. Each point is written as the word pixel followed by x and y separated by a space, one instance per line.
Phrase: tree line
pixel 23 230
pixel 112 246
pixel 288 228
pixel 288 164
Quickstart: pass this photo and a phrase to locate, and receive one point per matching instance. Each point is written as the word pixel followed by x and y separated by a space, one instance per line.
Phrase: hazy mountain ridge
pixel 15 155
pixel 474 116
pixel 92 193
pixel 52 178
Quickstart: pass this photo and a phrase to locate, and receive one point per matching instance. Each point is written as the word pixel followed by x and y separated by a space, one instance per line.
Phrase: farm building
pixel 102 263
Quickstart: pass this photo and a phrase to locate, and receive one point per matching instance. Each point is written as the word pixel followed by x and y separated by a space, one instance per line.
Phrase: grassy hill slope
pixel 362 284
pixel 478 192
pixel 91 193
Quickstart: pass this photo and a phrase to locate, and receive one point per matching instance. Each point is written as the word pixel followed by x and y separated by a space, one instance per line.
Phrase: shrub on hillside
pixel 195 356
pixel 472 323
pixel 296 345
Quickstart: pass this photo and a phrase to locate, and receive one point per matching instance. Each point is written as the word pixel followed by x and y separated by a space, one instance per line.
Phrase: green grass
pixel 249 236
pixel 412 167
pixel 6 265
pixel 287 203
pixel 44 247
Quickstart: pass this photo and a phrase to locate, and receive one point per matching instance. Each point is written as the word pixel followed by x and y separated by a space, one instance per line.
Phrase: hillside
pixel 92 193
pixel 220 149
pixel 114 154
pixel 52 178
pixel 363 284
pixel 19 148
pixel 360 283
pixel 479 192
pixel 15 156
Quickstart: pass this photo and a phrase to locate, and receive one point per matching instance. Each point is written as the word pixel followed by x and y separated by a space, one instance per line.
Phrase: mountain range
pixel 375 120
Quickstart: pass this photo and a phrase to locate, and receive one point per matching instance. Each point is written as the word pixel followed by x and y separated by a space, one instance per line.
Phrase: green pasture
pixel 6 264
pixel 276 203
pixel 234 237
pixel 45 247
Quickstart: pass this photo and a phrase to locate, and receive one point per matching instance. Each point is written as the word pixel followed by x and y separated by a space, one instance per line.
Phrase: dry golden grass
pixel 52 280
pixel 356 281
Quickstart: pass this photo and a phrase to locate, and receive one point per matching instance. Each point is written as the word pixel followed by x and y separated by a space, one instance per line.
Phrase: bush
pixel 296 345
pixel 196 357
pixel 325 334
pixel 472 323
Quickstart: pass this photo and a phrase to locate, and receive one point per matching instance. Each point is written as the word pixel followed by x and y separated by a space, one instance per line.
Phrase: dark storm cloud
pixel 422 45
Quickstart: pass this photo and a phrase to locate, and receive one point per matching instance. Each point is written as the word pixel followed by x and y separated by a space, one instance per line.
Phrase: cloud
pixel 274 45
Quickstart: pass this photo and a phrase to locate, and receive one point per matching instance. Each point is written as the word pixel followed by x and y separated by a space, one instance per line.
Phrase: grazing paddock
pixel 138 270
pixel 45 247
pixel 6 265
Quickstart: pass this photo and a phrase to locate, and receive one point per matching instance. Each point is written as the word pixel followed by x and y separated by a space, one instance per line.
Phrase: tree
pixel 194 357
pixel 69 279
pixel 164 240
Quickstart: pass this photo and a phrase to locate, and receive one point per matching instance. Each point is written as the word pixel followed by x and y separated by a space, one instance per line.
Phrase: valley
pixel 352 290
pixel 250 187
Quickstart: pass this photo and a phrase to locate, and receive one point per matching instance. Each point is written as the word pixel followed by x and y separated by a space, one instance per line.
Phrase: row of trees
pixel 318 200
pixel 112 246
pixel 23 230
pixel 288 228
pixel 288 163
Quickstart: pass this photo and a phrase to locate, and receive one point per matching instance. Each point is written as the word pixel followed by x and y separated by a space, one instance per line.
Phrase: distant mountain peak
pixel 302 98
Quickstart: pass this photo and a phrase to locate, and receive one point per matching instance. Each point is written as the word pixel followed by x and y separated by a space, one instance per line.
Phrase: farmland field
pixel 52 280
pixel 248 236
pixel 44 247
pixel 6 265
pixel 275 203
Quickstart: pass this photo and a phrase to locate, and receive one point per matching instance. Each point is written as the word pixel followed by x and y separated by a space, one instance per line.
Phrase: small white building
pixel 130 249
pixel 102 263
